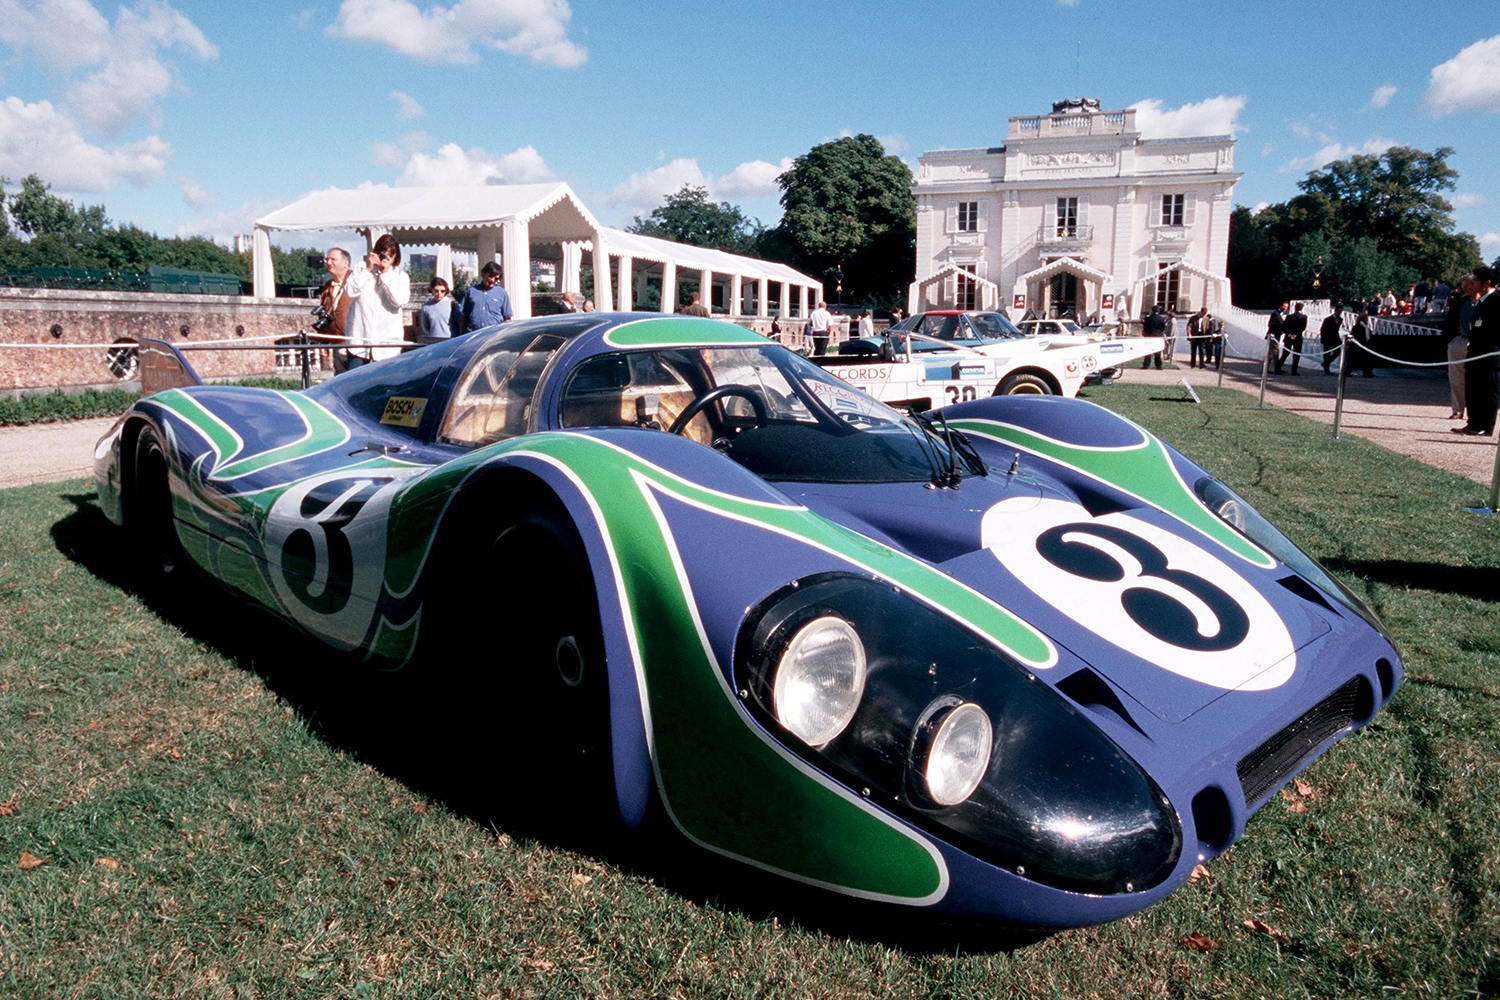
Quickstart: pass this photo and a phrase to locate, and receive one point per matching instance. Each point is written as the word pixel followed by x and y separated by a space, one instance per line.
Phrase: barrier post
pixel 1265 368
pixel 306 362
pixel 1495 483
pixel 1338 406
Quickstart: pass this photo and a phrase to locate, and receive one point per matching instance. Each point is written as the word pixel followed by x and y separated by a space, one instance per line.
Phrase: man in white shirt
pixel 866 325
pixel 818 322
pixel 376 294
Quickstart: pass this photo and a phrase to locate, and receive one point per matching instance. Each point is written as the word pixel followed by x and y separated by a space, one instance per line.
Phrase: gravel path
pixel 1405 411
pixel 46 453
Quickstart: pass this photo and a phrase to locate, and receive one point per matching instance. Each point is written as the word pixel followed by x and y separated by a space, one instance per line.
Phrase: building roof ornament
pixel 1075 106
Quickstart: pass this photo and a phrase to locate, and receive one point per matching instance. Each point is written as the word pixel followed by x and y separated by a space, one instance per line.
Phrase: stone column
pixel 706 289
pixel 762 298
pixel 603 296
pixel 627 286
pixel 515 264
pixel 669 287
pixel 736 289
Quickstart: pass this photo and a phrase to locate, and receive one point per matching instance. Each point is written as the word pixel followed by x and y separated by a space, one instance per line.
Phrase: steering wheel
pixel 758 404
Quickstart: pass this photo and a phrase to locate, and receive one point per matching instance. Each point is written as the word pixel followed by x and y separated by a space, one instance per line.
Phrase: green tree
pixel 689 217
pixel 849 205
pixel 1361 270
pixel 38 212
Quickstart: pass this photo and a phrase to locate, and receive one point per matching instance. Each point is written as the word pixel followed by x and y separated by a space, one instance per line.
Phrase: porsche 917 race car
pixel 1013 659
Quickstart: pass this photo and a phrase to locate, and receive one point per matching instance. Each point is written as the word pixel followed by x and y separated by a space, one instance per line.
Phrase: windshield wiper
pixel 957 446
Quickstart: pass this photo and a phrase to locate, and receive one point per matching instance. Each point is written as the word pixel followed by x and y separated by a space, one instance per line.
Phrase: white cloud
pixel 894 143
pixel 1212 116
pixel 537 29
pixel 223 226
pixel 1260 205
pixel 128 72
pixel 1067 3
pixel 40 139
pixel 644 191
pixel 193 194
pixel 1268 149
pixel 454 166
pixel 1470 200
pixel 395 154
pixel 1382 96
pixel 1490 239
pixel 1470 81
pixel 1336 151
pixel 407 106
pixel 65 34
pixel 752 179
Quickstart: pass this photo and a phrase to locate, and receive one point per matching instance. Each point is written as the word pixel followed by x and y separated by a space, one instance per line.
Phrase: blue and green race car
pixel 1013 659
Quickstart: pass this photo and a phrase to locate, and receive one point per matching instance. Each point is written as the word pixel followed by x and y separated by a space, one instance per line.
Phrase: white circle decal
pixel 1145 589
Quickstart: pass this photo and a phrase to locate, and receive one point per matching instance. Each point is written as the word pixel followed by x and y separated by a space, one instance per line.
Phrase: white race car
pixel 949 357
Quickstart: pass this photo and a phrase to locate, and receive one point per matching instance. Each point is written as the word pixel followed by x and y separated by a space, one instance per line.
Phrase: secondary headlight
pixel 954 749
pixel 925 719
pixel 819 680
pixel 1235 511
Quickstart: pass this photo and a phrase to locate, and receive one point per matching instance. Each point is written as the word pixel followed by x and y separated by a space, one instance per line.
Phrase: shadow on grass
pixel 402 724
pixel 1440 578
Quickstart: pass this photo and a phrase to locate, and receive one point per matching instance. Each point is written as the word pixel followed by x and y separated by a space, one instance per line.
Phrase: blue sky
pixel 197 117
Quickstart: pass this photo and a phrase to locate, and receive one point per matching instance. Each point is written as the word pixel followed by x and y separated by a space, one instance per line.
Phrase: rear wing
pixel 164 367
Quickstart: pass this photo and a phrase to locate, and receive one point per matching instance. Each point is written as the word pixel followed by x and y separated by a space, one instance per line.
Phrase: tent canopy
pixel 1070 265
pixel 512 220
pixel 451 215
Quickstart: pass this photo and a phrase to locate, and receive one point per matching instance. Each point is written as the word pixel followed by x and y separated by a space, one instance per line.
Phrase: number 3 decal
pixel 1146 590
pixel 956 393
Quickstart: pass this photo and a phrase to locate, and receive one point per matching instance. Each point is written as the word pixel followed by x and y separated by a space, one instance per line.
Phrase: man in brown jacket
pixel 333 299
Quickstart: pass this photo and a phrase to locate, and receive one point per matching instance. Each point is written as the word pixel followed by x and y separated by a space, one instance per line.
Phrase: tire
pixel 150 520
pixel 550 691
pixel 1022 384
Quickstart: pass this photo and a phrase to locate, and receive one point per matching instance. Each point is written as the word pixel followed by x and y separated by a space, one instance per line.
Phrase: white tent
pixel 513 223
pixel 1088 304
pixel 1213 281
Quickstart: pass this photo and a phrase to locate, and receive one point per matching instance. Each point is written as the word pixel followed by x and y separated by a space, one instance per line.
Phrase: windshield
pixel 993 326
pixel 777 414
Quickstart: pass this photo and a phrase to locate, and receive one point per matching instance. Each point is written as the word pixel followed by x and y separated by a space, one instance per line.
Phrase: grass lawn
pixel 219 812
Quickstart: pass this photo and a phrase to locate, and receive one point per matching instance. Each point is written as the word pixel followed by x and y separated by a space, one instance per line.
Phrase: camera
pixel 321 318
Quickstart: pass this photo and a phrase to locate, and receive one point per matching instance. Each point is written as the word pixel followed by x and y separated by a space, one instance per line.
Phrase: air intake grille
pixel 1267 765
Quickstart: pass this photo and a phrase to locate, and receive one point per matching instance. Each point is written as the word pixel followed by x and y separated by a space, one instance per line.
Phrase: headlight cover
pixel 820 678
pixel 1235 511
pixel 958 739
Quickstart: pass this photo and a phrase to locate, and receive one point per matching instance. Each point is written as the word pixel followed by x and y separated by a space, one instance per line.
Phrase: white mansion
pixel 1075 213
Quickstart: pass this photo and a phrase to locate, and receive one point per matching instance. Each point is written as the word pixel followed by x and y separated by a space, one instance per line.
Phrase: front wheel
pixel 544 683
pixel 149 509
pixel 1022 384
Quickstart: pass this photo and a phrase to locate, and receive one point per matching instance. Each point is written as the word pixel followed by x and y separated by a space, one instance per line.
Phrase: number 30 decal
pixel 1146 590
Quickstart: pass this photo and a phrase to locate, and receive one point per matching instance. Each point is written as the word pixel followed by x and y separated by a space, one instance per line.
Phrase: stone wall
pixel 62 321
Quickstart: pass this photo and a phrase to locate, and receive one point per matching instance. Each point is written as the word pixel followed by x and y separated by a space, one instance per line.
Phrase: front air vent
pixel 1279 757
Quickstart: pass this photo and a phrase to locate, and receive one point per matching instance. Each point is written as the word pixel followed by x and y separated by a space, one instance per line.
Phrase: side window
pixel 493 401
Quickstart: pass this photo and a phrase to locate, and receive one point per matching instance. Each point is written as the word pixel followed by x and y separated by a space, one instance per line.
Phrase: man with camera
pixel 333 304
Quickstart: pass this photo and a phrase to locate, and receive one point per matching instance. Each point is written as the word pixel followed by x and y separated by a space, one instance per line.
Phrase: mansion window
pixel 968 290
pixel 1067 217
pixel 1172 212
pixel 968 216
pixel 1168 284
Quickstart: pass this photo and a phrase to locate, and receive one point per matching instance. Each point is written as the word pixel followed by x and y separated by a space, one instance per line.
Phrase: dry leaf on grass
pixel 1200 942
pixel 1200 873
pixel 1293 803
pixel 1303 787
pixel 419 807
pixel 10 807
pixel 1261 927
pixel 542 965
pixel 579 880
pixel 109 863
pixel 29 861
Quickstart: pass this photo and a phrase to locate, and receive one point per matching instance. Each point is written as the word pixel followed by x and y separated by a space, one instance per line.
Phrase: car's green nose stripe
pixel 324 431
pixel 1144 470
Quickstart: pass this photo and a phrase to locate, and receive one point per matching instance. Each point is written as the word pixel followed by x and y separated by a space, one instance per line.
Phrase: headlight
pixel 927 720
pixel 819 680
pixel 955 753
pixel 1235 511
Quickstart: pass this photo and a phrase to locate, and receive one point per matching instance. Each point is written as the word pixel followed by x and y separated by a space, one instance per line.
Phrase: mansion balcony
pixel 1169 238
pixel 1067 241
pixel 1071 124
